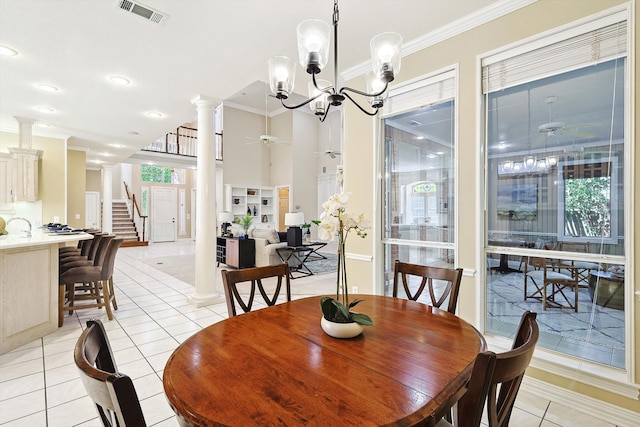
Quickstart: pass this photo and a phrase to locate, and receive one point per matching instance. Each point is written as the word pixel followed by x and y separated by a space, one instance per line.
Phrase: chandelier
pixel 313 52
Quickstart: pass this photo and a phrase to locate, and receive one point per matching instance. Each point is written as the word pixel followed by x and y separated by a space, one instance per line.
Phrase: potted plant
pixel 246 221
pixel 334 222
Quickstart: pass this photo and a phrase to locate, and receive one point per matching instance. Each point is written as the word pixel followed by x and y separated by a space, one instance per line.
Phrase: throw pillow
pixel 269 234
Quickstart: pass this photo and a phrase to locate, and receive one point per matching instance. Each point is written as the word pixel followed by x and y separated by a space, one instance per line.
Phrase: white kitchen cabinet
pixel 6 198
pixel 25 164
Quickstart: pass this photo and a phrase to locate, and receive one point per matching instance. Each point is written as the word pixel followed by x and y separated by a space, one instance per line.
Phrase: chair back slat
pixel 496 378
pixel 255 276
pixel 113 393
pixel 403 272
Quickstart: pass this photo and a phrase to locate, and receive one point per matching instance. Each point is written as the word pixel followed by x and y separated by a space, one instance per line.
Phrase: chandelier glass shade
pixel 313 53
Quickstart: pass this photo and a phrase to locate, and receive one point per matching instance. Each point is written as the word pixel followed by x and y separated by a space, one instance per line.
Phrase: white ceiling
pixel 213 48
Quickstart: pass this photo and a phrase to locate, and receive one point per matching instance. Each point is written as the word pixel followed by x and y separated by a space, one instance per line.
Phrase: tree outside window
pixel 588 207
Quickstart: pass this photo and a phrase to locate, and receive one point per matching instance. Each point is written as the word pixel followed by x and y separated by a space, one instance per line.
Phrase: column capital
pixel 201 101
pixel 24 120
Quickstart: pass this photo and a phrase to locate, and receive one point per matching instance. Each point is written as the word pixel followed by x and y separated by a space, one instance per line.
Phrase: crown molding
pixel 454 28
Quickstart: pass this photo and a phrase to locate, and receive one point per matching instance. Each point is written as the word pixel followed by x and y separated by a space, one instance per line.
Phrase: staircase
pixel 123 226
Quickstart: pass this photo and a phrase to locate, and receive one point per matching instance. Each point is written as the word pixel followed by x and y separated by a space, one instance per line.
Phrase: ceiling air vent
pixel 142 11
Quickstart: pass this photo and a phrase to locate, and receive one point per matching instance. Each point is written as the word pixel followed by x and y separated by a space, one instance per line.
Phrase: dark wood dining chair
pixel 496 379
pixel 112 392
pixel 403 273
pixel 255 275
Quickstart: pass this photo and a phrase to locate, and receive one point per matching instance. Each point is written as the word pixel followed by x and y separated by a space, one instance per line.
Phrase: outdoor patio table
pixel 275 366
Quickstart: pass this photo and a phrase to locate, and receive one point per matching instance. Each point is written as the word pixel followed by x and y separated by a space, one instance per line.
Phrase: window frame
pixel 609 379
pixel 404 98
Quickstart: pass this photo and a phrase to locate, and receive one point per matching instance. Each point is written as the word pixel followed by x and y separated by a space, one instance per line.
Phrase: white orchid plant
pixel 336 222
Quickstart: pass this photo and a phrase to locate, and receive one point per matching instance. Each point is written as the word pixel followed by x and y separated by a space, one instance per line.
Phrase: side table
pixel 606 289
pixel 298 256
pixel 238 253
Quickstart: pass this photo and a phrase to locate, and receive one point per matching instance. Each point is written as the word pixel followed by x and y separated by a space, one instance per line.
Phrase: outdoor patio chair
pixel 548 283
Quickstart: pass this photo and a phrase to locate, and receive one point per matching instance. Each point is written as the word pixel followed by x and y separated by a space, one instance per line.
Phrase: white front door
pixel 164 212
pixel 92 210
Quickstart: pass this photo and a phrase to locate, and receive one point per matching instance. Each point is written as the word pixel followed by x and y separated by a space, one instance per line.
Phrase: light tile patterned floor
pixel 594 333
pixel 39 385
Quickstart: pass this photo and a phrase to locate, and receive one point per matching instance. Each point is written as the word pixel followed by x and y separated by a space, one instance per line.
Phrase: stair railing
pixel 183 142
pixel 136 209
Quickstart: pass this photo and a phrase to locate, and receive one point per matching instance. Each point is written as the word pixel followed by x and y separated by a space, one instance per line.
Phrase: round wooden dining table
pixel 276 366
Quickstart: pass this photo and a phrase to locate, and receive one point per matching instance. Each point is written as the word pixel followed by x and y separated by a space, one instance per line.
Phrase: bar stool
pixel 100 290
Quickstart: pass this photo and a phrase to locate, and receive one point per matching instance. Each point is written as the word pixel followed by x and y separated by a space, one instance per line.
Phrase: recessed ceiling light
pixel 439 153
pixel 43 125
pixel 45 110
pixel 47 88
pixel 97 161
pixel 106 154
pixel 119 80
pixel 117 145
pixel 7 51
pixel 154 114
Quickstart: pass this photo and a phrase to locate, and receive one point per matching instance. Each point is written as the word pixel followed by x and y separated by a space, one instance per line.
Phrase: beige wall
pixel 464 51
pixel 76 188
pixel 244 164
pixel 94 179
pixel 281 155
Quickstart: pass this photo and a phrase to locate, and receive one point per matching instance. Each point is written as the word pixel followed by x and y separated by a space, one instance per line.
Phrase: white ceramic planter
pixel 341 330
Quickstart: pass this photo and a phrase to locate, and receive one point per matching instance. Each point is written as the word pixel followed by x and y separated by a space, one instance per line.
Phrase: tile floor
pixel 594 333
pixel 39 385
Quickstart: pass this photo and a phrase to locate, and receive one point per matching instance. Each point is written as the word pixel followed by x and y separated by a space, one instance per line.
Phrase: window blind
pixel 420 93
pixel 549 57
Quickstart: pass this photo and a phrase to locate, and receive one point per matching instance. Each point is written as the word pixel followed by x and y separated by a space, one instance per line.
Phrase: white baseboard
pixel 596 408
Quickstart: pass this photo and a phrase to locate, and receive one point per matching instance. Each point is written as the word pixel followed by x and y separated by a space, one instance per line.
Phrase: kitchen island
pixel 29 286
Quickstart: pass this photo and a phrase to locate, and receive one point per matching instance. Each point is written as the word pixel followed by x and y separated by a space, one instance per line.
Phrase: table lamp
pixel 225 219
pixel 294 220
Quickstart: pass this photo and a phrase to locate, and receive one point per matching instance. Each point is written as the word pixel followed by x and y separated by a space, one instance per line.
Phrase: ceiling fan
pixel 266 139
pixel 332 153
pixel 555 127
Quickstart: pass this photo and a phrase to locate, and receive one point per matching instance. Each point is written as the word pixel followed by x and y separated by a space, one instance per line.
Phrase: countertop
pixel 38 238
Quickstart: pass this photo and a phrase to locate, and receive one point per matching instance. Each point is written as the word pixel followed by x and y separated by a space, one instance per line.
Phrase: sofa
pixel 267 241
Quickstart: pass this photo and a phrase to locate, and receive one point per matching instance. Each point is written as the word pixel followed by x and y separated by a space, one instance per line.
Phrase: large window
pixel 152 173
pixel 555 190
pixel 418 185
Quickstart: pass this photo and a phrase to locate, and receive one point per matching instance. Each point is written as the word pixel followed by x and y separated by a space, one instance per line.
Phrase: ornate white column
pixel 107 199
pixel 206 274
